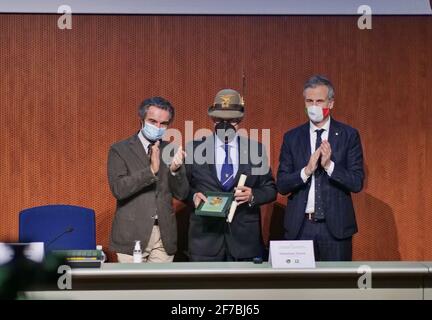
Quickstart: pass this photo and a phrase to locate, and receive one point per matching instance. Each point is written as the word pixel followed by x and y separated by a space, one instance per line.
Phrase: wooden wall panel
pixel 66 95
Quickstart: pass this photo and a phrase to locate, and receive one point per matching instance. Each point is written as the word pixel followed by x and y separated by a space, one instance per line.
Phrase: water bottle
pixel 103 256
pixel 137 253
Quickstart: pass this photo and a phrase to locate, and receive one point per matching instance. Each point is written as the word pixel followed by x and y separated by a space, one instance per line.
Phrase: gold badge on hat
pixel 226 100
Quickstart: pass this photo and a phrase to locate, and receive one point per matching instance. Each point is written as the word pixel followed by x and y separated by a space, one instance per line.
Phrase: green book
pixel 217 205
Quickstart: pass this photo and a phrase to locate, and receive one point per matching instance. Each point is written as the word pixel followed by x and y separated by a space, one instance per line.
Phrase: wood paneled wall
pixel 66 95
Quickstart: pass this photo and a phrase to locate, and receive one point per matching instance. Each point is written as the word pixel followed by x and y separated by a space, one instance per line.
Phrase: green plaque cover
pixel 217 205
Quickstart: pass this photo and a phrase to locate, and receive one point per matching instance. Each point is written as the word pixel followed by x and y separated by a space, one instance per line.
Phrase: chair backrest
pixel 60 227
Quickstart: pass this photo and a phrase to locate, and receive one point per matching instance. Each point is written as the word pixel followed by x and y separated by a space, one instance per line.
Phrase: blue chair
pixel 60 227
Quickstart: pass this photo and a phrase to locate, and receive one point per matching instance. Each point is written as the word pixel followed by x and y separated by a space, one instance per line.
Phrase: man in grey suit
pixel 144 184
pixel 218 161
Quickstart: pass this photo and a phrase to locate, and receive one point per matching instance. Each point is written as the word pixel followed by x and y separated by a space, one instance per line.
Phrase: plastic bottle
pixel 137 253
pixel 103 255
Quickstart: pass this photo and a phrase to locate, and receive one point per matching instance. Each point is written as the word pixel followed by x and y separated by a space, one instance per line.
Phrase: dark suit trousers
pixel 326 247
pixel 223 255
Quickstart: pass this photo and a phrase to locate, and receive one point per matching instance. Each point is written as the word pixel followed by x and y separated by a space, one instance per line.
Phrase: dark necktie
pixel 149 149
pixel 318 174
pixel 317 145
pixel 227 171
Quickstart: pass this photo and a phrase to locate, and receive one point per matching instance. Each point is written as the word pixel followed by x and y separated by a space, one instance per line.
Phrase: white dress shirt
pixel 144 141
pixel 310 206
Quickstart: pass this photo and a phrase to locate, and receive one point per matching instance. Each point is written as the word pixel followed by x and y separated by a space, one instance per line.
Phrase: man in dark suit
pixel 144 183
pixel 321 163
pixel 218 161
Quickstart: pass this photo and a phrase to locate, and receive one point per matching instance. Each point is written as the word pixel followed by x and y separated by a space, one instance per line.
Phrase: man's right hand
pixel 197 198
pixel 155 158
pixel 313 162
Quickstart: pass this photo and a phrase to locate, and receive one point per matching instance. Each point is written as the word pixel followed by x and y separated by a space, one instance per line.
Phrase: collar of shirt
pixel 144 141
pixel 313 136
pixel 219 144
pixel 326 126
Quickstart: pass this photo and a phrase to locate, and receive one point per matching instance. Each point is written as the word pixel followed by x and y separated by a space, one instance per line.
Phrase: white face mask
pixel 316 113
pixel 151 132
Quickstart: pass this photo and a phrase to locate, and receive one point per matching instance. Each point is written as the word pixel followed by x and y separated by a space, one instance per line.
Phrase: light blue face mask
pixel 151 132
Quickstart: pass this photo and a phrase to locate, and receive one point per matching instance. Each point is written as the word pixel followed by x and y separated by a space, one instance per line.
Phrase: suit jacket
pixel 207 235
pixel 347 177
pixel 140 195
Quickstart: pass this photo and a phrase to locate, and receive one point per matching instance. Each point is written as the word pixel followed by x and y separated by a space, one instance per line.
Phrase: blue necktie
pixel 319 176
pixel 227 171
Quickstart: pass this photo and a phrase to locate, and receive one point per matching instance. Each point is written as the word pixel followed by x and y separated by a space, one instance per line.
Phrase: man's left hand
pixel 325 154
pixel 243 194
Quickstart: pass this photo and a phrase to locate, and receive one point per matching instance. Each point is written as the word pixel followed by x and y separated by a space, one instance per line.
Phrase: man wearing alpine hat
pixel 225 157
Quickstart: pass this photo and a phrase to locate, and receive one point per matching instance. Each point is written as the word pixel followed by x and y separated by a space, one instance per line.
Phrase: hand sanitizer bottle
pixel 137 253
pixel 103 256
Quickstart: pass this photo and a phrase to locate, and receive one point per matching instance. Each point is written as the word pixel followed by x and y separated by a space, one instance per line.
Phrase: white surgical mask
pixel 151 132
